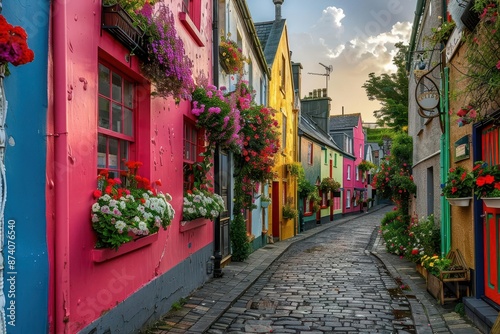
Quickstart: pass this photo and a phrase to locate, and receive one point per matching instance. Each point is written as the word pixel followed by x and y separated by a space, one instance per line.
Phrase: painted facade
pixel 27 230
pixel 348 133
pixel 273 37
pixel 235 21
pixel 470 229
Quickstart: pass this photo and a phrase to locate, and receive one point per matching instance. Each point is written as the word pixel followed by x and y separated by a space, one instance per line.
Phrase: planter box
pixel 187 225
pixel 264 204
pixel 422 271
pixel 434 286
pixel 101 255
pixel 121 26
pixel 462 201
pixel 492 202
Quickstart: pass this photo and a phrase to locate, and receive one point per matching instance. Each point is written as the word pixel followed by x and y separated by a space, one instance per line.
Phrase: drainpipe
pixel 215 78
pixel 418 13
pixel 60 167
pixel 445 152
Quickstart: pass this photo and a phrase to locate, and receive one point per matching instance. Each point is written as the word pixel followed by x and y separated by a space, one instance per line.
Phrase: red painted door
pixel 491 229
pixel 276 210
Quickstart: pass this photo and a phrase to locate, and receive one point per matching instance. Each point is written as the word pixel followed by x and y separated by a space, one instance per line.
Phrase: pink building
pixel 347 131
pixel 102 113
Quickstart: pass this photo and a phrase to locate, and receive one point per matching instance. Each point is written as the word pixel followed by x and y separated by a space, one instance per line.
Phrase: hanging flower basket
pixel 492 202
pixel 121 26
pixel 461 201
pixel 265 204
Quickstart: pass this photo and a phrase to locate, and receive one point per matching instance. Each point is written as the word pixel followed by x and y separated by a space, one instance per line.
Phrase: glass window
pixel 283 135
pixel 310 153
pixel 191 153
pixel 115 120
pixel 348 199
pixel 348 172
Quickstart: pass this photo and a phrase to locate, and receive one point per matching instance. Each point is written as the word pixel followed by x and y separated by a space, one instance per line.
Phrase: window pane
pixel 123 154
pixel 128 94
pixel 103 113
pixel 101 151
pixel 117 87
pixel 116 118
pixel 128 120
pixel 113 153
pixel 103 80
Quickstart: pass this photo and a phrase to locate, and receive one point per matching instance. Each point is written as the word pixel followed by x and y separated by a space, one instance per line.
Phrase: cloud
pixel 332 17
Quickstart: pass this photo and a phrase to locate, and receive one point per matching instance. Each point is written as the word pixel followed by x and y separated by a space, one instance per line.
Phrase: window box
pixel 187 225
pixel 101 255
pixel 461 201
pixel 121 26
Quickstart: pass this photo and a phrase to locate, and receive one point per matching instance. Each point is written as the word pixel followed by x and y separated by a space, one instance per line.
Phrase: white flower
pixel 96 207
pixel 106 197
pixel 95 218
pixel 105 209
pixel 120 225
pixel 143 226
pixel 113 203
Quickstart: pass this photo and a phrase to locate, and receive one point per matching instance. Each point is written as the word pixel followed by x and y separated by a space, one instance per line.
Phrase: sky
pixel 355 37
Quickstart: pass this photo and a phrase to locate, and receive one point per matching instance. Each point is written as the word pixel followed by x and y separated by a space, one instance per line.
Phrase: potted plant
pixel 459 186
pixel 289 212
pixel 214 114
pixel 329 184
pixel 201 204
pixel 14 45
pixel 487 185
pixel 167 66
pixel 123 212
pixel 231 56
pixel 265 201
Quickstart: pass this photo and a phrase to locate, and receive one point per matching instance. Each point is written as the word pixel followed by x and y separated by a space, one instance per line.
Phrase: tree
pixel 391 90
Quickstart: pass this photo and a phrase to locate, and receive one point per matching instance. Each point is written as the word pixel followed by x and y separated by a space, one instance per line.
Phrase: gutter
pixel 247 19
pixel 416 25
pixel 60 167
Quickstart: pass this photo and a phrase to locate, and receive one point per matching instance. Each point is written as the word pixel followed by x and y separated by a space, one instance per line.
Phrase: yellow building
pixel 273 37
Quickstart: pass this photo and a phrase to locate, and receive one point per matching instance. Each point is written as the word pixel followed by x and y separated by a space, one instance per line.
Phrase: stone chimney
pixel 277 9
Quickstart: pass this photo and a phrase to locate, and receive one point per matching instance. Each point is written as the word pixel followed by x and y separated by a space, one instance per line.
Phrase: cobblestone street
pixel 327 283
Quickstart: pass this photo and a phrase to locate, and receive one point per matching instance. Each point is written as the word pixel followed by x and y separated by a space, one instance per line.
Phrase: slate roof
pixel 308 127
pixel 269 34
pixel 342 122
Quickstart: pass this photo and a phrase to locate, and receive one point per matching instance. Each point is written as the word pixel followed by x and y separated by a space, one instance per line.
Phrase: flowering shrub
pixel 122 212
pixel 460 183
pixel 329 184
pixel 487 179
pixel 131 6
pixel 483 60
pixel 231 56
pixel 220 120
pixel 289 212
pixel 435 264
pixel 168 67
pixel 201 204
pixel 13 44
pixel 467 115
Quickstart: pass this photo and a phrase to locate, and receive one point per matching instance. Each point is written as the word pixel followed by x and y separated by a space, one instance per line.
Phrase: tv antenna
pixel 328 70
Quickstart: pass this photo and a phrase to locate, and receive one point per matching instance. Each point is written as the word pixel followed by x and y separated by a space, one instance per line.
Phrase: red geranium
pixel 13 44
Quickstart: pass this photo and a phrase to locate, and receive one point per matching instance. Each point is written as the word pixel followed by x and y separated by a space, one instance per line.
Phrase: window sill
pixel 191 28
pixel 324 206
pixel 105 254
pixel 187 225
pixel 308 214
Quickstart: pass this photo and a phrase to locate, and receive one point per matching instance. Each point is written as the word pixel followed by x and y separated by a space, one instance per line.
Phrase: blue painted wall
pixel 26 274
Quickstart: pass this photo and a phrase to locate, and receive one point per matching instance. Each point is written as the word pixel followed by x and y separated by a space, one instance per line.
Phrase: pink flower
pixel 498 65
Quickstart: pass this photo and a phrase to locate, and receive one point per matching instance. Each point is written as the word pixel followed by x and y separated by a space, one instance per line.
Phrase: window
pixel 310 153
pixel 348 172
pixel 190 16
pixel 348 199
pixel 307 207
pixel 361 151
pixel 116 113
pixel 283 69
pixel 335 160
pixel 283 134
pixel 357 173
pixel 192 151
pixel 324 199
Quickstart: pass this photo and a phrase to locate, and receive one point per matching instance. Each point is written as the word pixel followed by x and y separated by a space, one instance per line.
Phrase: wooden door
pixel 491 226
